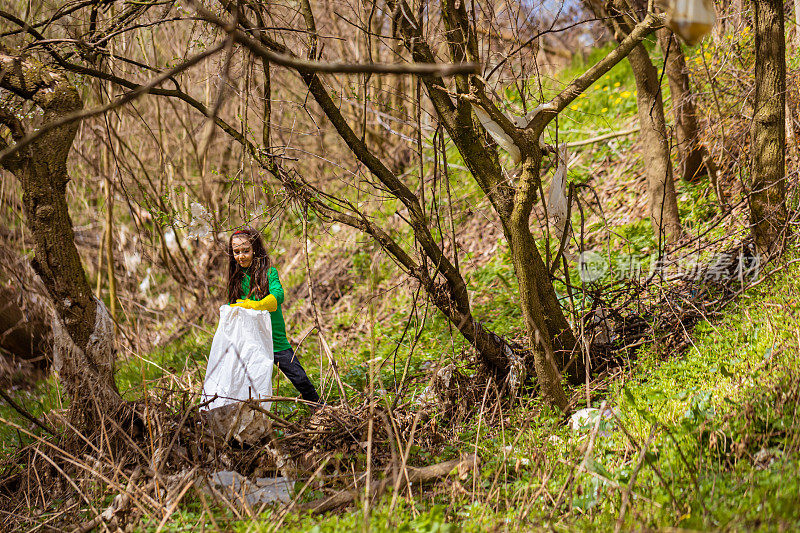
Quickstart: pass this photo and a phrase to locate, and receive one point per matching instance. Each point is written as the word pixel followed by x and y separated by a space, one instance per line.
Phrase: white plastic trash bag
pixel 241 359
pixel 557 195
pixel 691 19
pixel 498 134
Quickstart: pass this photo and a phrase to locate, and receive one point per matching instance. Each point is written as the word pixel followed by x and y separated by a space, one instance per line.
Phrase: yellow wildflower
pixel 616 84
pixel 605 88
pixel 617 101
pixel 573 107
pixel 626 94
pixel 604 110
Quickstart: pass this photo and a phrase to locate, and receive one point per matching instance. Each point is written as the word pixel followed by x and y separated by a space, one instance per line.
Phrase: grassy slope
pixel 726 443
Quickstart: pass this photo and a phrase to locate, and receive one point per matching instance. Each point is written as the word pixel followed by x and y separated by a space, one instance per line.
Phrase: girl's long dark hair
pixel 259 282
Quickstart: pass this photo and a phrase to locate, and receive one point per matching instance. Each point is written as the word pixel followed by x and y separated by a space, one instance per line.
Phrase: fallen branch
pixel 120 503
pixel 605 137
pixel 415 475
pixel 21 410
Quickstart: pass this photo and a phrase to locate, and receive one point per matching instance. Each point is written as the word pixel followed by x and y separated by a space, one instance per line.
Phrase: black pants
pixel 292 369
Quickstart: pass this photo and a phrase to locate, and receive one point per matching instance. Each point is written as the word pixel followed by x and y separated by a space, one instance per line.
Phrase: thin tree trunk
pixel 100 255
pixel 797 23
pixel 768 131
pixel 109 238
pixel 655 148
pixel 690 151
pixel 523 248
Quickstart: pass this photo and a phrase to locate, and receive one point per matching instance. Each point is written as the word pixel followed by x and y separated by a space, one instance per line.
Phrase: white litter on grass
pixel 584 421
pixel 236 487
pixel 440 383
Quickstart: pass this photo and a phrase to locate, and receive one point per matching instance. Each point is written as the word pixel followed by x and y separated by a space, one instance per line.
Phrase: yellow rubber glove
pixel 267 304
pixel 244 304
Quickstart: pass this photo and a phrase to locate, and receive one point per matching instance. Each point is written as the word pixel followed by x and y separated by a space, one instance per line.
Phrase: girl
pixel 254 284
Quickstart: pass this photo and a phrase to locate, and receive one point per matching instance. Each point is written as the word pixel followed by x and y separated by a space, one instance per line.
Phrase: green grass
pixel 42 398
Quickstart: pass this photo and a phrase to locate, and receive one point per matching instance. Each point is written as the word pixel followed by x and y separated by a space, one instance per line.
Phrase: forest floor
pixel 699 394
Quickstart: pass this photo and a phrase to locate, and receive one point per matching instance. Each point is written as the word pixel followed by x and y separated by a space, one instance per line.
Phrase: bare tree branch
pixel 307 65
pixel 650 23
pixel 7 61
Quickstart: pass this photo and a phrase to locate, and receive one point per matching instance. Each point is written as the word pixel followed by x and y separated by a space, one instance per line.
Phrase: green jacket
pixel 279 340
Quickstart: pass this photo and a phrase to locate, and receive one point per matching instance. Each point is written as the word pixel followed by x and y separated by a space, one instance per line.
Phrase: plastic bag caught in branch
pixel 501 137
pixel 200 225
pixel 556 195
pixel 690 19
pixel 171 240
pixel 498 134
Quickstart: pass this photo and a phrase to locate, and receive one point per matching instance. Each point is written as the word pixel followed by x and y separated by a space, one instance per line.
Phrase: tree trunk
pixel 109 245
pixel 690 151
pixel 538 299
pixel 83 332
pixel 768 133
pixel 664 218
pixel 655 148
pixel 523 250
pixel 797 23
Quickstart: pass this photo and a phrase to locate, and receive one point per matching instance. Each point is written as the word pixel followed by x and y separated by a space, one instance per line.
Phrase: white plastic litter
pixel 241 359
pixel 171 239
pixel 583 421
pixel 144 286
pixel 239 489
pixel 498 134
pixel 690 19
pixel 132 261
pixel 557 195
pixel 501 137
pixel 200 225
pixel 162 300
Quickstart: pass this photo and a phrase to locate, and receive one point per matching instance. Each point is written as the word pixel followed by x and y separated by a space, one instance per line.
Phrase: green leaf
pixel 724 371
